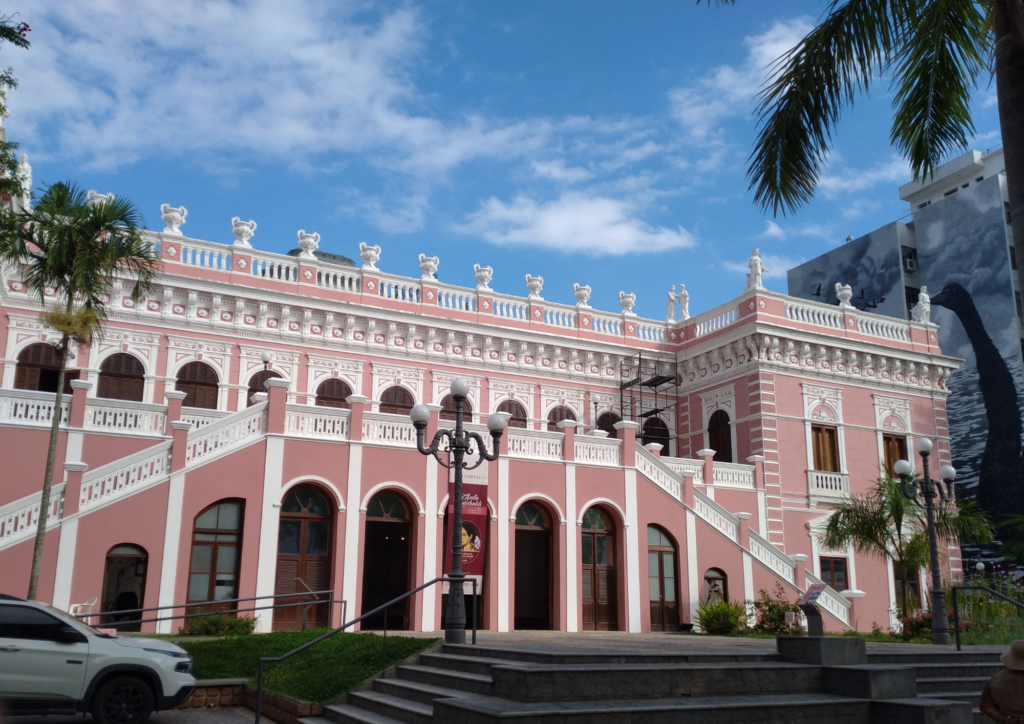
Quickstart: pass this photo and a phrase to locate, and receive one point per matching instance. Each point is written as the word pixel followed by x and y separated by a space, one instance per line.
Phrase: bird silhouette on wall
pixel 817 293
pixel 999 486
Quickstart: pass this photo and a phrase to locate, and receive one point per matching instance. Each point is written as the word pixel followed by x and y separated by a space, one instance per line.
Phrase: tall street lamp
pixel 459 444
pixel 943 489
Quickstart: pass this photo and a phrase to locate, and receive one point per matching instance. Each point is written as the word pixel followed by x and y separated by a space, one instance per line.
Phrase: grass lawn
pixel 321 673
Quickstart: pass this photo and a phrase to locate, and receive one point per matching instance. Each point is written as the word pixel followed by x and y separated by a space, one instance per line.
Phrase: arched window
pixel 216 548
pixel 333 393
pixel 607 422
pixel 198 381
pixel 716 586
pixel 256 383
pixel 396 401
pixel 387 506
pixel 655 430
pixel 557 415
pixel 661 580
pixel 720 436
pixel 122 377
pixel 39 368
pixel 531 515
pixel 517 411
pixel 448 409
pixel 303 555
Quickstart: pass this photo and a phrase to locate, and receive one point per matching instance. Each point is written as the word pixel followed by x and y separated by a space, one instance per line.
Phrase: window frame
pixel 819 462
pixel 829 576
pixel 216 544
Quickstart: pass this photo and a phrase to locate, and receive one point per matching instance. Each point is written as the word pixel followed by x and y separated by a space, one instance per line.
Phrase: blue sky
pixel 594 142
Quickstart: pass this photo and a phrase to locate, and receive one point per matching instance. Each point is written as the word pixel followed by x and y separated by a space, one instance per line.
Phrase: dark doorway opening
pixel 386 561
pixel 124 587
pixel 533 569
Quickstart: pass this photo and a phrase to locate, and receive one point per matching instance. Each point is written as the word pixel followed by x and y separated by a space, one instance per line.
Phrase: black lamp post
pixel 459 444
pixel 943 489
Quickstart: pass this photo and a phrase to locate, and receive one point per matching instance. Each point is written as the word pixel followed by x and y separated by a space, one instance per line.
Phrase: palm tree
pixel 886 524
pixel 936 51
pixel 75 247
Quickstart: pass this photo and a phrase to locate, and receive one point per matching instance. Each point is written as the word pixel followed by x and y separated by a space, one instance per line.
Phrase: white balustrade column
pixel 632 552
pixel 266 571
pixel 429 543
pixel 66 565
pixel 572 593
pixel 748 586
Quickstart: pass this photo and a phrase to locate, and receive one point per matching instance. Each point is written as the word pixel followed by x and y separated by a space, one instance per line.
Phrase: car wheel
pixel 123 700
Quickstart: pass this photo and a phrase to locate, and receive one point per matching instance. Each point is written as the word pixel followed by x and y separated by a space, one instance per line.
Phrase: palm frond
pixel 964 521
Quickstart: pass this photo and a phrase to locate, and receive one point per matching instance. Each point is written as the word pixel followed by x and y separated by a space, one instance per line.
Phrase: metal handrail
pixel 198 604
pixel 345 624
pixel 978 587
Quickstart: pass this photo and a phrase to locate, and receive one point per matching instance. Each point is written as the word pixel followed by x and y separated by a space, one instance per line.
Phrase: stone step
pixel 457 662
pixel 403 710
pixel 942 657
pixel 345 714
pixel 414 690
pixel 971 697
pixel 930 671
pixel 553 658
pixel 951 683
pixel 460 680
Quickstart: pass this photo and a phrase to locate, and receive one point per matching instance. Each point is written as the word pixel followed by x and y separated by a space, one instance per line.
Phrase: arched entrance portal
pixel 661 577
pixel 533 569
pixel 386 555
pixel 303 556
pixel 124 586
pixel 600 612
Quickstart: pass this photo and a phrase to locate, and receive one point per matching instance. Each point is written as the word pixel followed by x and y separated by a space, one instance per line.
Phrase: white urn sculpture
pixel 308 243
pixel 95 198
pixel 535 285
pixel 844 293
pixel 173 217
pixel 428 265
pixel 582 293
pixel 483 276
pixel 628 301
pixel 243 231
pixel 369 255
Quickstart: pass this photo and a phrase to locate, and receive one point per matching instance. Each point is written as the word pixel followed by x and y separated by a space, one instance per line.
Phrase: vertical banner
pixel 474 521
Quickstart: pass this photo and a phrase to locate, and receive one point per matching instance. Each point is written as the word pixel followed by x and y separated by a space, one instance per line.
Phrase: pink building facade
pixel 182 477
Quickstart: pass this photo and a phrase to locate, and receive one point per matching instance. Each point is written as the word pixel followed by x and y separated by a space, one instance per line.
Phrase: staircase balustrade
pixel 317 423
pixel 830 599
pixel 226 435
pixel 199 417
pixel 126 418
pixel 19 519
pixel 772 557
pixel 661 475
pixel 123 477
pixel 716 516
pixel 535 444
pixel 680 466
pixel 599 451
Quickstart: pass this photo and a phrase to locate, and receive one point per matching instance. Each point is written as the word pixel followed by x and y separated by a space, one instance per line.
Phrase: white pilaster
pixel 266 570
pixel 65 564
pixel 762 513
pixel 692 574
pixel 632 552
pixel 355 474
pixel 748 587
pixel 172 533
pixel 572 592
pixel 73 452
pixel 429 544
pixel 503 544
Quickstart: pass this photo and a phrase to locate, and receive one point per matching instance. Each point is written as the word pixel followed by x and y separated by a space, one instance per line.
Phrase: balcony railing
pixel 836 485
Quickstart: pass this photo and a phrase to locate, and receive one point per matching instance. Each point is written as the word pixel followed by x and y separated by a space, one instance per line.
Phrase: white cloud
pixel 776 266
pixel 730 91
pixel 774 231
pixel 557 171
pixel 573 223
pixel 895 170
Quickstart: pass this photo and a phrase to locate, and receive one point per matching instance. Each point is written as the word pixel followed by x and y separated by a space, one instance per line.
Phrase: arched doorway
pixel 533 582
pixel 655 430
pixel 216 549
pixel 557 415
pixel 304 548
pixel 396 401
pixel 386 557
pixel 720 436
pixel 198 381
pixel 122 377
pixel 38 369
pixel 661 577
pixel 333 393
pixel 256 384
pixel 124 586
pixel 716 586
pixel 606 422
pixel 600 612
pixel 448 409
pixel 518 413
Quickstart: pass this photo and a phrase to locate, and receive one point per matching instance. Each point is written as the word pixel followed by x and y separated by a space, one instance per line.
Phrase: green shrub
pixel 722 618
pixel 218 624
pixel 771 612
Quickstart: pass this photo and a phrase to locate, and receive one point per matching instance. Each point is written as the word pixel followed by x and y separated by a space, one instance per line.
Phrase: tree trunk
pixel 51 457
pixel 1009 55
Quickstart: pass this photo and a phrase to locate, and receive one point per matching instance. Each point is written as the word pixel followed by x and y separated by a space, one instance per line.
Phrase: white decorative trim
pixel 401 486
pixel 323 482
pixel 531 496
pixel 623 520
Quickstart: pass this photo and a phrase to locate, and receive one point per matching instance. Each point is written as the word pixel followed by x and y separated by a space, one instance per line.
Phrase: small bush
pixel 218 624
pixel 722 619
pixel 771 612
pixel 917 626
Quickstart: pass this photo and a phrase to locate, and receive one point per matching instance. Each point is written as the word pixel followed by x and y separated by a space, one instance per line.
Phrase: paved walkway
pixel 227 715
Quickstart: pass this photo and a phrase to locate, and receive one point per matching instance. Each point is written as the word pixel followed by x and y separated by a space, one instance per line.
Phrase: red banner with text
pixel 474 520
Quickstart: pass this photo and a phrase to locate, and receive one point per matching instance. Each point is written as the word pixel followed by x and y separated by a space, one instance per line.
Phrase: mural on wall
pixel 964 261
pixel 870 264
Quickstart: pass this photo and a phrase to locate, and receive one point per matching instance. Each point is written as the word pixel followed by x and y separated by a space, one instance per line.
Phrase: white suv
pixel 52 663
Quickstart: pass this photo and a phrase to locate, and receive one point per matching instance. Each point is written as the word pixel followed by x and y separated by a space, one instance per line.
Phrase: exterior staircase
pixel 463 684
pixel 950 676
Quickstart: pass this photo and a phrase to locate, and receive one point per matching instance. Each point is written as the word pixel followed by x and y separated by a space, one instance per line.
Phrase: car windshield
pixel 67 617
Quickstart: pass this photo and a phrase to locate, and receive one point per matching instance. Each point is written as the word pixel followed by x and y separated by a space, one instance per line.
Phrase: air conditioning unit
pixel 910 265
